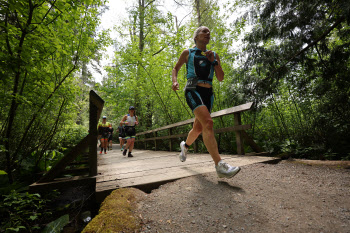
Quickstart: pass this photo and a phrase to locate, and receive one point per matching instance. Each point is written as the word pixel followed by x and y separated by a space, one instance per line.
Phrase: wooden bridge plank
pixel 147 167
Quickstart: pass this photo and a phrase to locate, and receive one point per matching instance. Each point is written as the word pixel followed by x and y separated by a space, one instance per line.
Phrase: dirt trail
pixel 284 197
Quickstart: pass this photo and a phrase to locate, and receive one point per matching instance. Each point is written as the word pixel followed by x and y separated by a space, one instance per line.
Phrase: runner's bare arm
pixel 182 60
pixel 218 70
pixel 123 120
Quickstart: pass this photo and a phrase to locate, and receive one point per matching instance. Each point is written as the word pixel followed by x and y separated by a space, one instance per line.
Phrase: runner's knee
pixel 208 124
pixel 197 128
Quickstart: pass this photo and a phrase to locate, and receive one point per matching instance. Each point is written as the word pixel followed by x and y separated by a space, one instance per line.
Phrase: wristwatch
pixel 215 63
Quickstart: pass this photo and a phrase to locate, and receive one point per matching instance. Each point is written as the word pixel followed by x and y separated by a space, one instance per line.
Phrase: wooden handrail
pixel 238 128
pixel 96 106
pixel 236 109
pixel 98 102
pixel 222 130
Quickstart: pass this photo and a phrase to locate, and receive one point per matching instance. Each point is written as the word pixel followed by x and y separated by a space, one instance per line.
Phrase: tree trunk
pixel 14 103
pixel 199 18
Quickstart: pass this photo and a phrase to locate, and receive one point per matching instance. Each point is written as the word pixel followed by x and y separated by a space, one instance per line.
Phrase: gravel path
pixel 284 197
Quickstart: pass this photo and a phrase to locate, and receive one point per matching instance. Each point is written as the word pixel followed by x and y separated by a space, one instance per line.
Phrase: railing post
pixel 155 141
pixel 195 146
pixel 239 138
pixel 93 138
pixel 170 141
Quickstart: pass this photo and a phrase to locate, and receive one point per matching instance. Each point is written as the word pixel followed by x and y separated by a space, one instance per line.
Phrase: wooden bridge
pixel 148 168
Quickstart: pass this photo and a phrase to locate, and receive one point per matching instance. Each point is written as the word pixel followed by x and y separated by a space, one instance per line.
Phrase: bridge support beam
pixel 239 138
pixel 93 140
pixel 170 141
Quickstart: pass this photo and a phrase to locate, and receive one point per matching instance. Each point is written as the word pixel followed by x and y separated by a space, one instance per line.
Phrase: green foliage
pixel 301 98
pixel 3 178
pixel 57 225
pixel 42 46
pixel 70 136
pixel 23 212
pixel 144 61
pixel 6 188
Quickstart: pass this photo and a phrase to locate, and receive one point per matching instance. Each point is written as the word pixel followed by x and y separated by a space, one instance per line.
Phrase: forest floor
pixel 291 196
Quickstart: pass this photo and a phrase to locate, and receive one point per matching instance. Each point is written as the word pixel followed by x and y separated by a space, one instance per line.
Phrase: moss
pixel 117 213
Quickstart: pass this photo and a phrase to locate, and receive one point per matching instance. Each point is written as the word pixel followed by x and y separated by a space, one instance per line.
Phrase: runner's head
pixel 132 110
pixel 104 118
pixel 201 34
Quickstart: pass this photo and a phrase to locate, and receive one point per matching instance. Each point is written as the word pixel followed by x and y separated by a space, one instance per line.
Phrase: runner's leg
pixel 194 132
pixel 132 142
pixel 203 116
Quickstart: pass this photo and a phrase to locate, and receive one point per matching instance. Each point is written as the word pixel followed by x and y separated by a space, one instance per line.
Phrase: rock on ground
pixel 117 212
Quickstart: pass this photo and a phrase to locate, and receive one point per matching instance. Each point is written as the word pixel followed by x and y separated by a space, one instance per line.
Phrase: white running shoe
pixel 225 170
pixel 182 155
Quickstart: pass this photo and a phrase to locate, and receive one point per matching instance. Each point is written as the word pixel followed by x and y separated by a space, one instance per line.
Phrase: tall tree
pixel 298 51
pixel 42 44
pixel 155 42
pixel 140 61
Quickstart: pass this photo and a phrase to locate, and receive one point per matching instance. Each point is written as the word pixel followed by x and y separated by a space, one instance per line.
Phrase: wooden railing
pixel 89 142
pixel 238 128
pixel 96 106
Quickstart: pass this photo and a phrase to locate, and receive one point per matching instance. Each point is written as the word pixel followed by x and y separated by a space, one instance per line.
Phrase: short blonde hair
pixel 196 32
